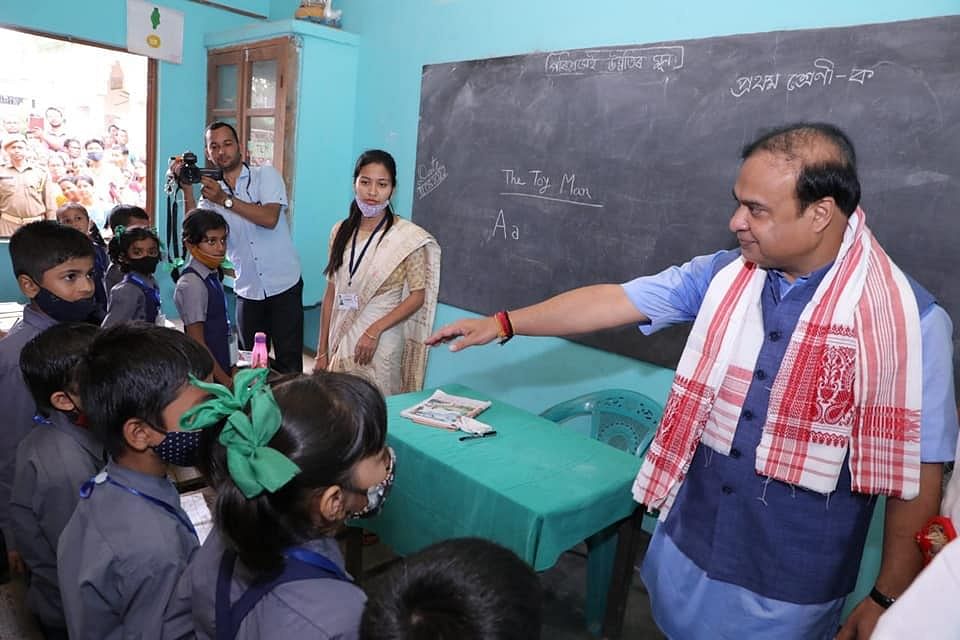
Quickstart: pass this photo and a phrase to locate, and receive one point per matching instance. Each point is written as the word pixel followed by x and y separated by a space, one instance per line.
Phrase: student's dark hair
pixel 122 213
pixel 198 222
pixel 121 242
pixel 828 161
pixel 350 226
pixel 48 360
pixel 135 370
pixel 468 589
pixel 219 124
pixel 330 421
pixel 66 143
pixel 91 140
pixel 70 179
pixel 57 109
pixel 86 178
pixel 40 246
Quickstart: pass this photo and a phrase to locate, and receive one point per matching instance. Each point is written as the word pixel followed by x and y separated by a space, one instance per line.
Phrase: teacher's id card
pixel 347 301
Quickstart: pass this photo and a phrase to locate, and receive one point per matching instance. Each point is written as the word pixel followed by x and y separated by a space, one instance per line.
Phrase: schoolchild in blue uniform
pixel 122 216
pixel 199 295
pixel 289 465
pixel 55 458
pixel 128 541
pixel 460 588
pixel 53 265
pixel 74 214
pixel 137 297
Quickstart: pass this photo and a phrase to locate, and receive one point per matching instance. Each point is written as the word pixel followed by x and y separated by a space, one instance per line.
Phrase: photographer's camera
pixel 190 173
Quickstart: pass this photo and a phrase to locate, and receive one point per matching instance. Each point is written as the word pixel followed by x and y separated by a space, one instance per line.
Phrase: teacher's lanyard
pixel 87 488
pixel 353 266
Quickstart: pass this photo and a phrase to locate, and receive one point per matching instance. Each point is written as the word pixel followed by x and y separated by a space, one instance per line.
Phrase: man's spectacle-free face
pixel 223 149
pixel 768 223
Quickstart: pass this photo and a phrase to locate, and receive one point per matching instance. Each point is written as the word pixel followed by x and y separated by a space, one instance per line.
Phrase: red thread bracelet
pixel 504 326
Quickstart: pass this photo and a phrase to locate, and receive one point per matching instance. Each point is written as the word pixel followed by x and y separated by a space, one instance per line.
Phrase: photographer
pixel 268 284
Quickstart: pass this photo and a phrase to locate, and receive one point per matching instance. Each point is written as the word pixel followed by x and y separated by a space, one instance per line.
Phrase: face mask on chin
pixel 207 260
pixel 371 210
pixel 63 310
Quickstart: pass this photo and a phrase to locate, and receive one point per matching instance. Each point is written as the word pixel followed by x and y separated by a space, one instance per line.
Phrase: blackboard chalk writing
pixel 859 75
pixel 501 226
pixel 512 178
pixel 536 183
pixel 569 183
pixel 822 75
pixel 653 59
pixel 430 177
pixel 746 84
pixel 540 181
pixel 531 195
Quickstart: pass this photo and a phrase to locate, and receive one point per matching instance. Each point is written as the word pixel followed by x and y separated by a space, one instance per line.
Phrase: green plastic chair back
pixel 623 419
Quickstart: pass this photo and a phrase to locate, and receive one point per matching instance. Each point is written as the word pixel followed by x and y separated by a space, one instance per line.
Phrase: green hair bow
pixel 253 418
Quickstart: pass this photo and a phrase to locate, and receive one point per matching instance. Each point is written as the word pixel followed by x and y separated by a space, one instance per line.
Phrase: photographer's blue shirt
pixel 265 259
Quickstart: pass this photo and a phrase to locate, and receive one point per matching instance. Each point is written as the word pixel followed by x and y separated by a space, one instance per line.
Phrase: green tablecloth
pixel 534 487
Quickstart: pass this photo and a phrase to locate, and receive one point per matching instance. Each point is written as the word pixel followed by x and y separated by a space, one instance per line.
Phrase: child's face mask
pixel 377 494
pixel 179 448
pixel 64 310
pixel 145 265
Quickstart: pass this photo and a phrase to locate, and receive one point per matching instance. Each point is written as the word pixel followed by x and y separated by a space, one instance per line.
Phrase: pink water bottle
pixel 259 357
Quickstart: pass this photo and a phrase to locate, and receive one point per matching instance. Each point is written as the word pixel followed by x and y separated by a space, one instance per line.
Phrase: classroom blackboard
pixel 544 172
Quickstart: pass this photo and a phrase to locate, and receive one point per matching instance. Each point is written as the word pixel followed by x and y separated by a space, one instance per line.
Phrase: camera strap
pixel 173 226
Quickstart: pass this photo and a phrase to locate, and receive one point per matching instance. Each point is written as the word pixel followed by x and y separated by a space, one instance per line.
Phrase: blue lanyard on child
pixel 317 560
pixel 353 266
pixel 154 292
pixel 86 490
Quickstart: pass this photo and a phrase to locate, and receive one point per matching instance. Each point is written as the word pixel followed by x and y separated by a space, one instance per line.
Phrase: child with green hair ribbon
pixel 289 462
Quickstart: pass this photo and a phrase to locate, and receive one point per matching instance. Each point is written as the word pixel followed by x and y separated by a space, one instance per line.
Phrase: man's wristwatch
pixel 881 599
pixel 228 203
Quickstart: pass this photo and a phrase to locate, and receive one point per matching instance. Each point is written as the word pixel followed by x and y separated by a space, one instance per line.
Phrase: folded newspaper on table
pixel 444 410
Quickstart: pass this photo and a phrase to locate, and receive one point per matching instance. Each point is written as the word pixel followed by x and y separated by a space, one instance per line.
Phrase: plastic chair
pixel 623 419
pixel 628 421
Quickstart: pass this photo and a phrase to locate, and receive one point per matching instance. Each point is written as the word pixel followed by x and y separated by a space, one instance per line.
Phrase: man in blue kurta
pixel 817 376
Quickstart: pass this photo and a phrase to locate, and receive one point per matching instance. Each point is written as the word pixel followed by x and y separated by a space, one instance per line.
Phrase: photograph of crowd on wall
pixel 72 129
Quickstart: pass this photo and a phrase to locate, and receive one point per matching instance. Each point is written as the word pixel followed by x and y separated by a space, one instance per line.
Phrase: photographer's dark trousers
pixel 281 318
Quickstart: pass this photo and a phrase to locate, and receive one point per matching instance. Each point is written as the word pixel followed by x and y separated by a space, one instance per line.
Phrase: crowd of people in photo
pixel 47 163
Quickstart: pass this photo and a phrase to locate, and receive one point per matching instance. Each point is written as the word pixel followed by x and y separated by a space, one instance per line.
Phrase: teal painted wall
pixel 399 37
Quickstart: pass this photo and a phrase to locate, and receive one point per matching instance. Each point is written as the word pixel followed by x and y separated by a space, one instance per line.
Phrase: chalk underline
pixel 530 195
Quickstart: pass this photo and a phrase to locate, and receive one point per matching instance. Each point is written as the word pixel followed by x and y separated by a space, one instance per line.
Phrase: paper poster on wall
pixel 154 31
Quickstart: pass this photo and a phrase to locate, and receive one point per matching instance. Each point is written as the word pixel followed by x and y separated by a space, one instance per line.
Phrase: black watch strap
pixel 883 600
